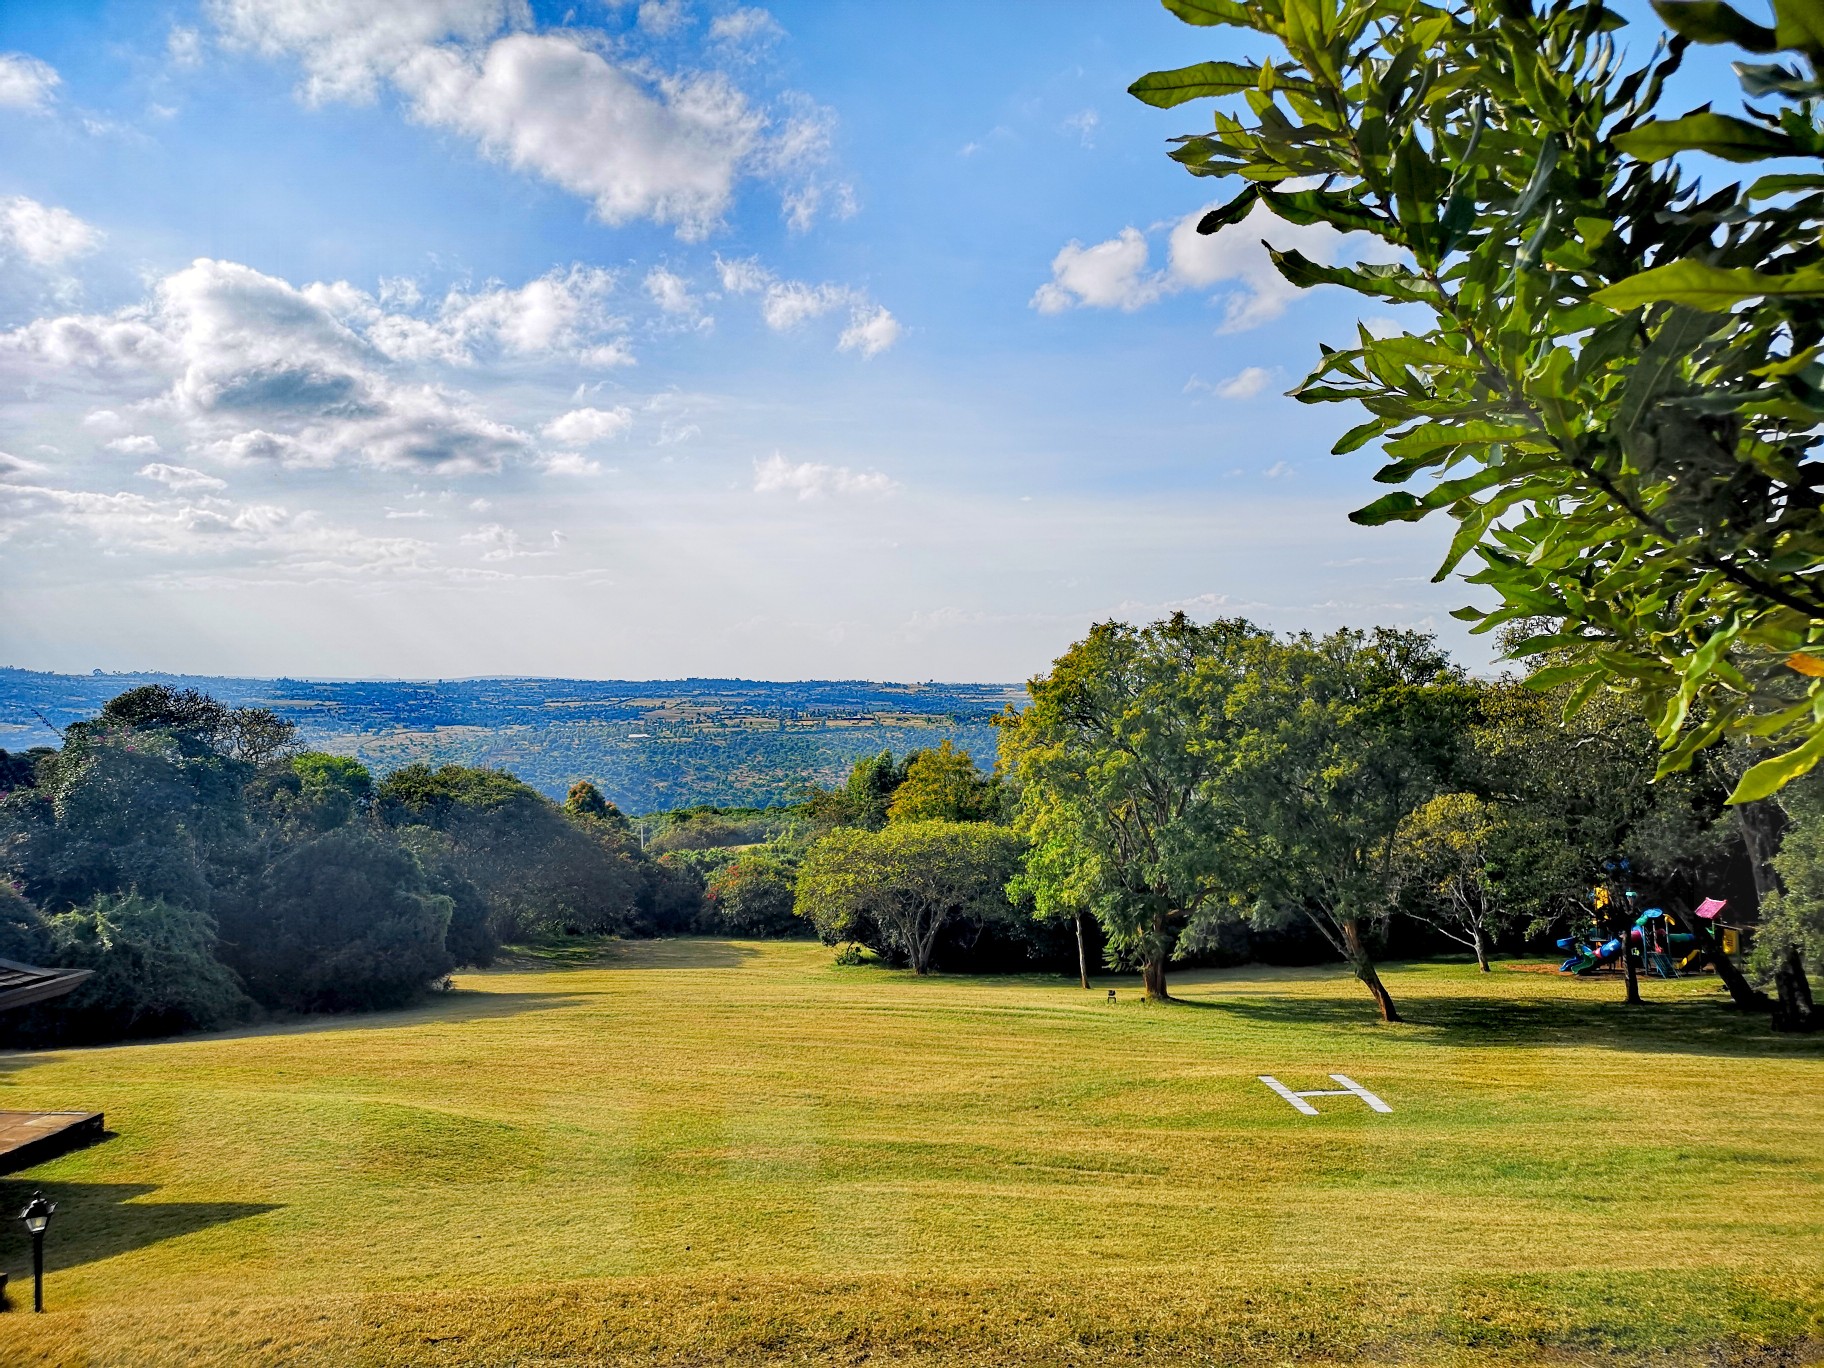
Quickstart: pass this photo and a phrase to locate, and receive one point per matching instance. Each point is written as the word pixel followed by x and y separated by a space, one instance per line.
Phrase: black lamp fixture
pixel 37 1218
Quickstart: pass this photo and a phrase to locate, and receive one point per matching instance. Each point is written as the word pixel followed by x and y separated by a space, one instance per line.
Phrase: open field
pixel 693 1152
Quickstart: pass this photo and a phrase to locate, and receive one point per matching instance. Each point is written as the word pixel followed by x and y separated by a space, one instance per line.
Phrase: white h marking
pixel 1350 1088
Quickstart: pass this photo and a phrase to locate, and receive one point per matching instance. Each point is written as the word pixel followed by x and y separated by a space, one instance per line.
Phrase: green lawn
pixel 702 1151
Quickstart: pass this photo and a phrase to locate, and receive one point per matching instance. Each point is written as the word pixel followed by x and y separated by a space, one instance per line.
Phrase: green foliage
pixel 539 871
pixel 864 798
pixel 24 936
pixel 753 896
pixel 942 785
pixel 1341 739
pixel 343 921
pixel 585 801
pixel 155 970
pixel 1792 919
pixel 1620 392
pixel 1116 761
pixel 1440 869
pixel 898 889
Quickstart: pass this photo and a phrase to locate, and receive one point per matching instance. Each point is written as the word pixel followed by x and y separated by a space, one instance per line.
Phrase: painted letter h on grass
pixel 1350 1088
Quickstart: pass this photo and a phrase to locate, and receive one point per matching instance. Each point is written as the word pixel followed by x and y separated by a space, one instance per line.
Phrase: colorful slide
pixel 1651 937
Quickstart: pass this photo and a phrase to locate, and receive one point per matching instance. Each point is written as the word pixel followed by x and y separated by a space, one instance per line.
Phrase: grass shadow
pixel 585 952
pixel 1692 1028
pixel 99 1220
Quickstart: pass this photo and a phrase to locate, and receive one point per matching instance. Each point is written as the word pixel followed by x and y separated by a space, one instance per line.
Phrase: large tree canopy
pixel 1618 398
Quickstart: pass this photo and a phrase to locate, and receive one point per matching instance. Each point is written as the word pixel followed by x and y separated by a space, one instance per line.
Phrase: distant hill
pixel 649 745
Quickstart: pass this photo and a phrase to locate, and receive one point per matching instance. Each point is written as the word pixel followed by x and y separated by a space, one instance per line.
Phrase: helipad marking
pixel 1350 1088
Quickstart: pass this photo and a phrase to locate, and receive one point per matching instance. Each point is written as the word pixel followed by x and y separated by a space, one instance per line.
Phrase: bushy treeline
pixel 206 870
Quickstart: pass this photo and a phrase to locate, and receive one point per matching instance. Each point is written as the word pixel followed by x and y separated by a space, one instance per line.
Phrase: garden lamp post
pixel 37 1216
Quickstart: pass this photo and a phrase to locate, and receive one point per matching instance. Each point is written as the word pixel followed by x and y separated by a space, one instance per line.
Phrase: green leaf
pixel 1798 25
pixel 1163 89
pixel 1398 506
pixel 1210 13
pixel 1359 436
pixel 1769 186
pixel 1232 212
pixel 1702 286
pixel 1710 21
pixel 1770 776
pixel 1721 135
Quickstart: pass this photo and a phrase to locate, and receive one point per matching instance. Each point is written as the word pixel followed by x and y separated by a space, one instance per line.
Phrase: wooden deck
pixel 23 984
pixel 28 1138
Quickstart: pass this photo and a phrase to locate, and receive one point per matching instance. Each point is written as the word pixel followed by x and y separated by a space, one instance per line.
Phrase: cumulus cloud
pixel 258 370
pixel 43 234
pixel 811 480
pixel 636 141
pixel 571 463
pixel 563 311
pixel 137 445
pixel 348 47
pixel 1232 262
pixel 671 292
pixel 184 46
pixel 1244 384
pixel 584 426
pixel 178 524
pixel 180 477
pixel 26 83
pixel 1108 275
pixel 787 304
pixel 749 25
pixel 17 467
pixel 870 333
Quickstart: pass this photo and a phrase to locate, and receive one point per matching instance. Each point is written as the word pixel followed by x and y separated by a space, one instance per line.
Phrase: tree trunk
pixel 1082 954
pixel 1628 971
pixel 1794 1010
pixel 1745 994
pixel 1481 949
pixel 1152 973
pixel 1363 965
pixel 1152 969
pixel 1761 824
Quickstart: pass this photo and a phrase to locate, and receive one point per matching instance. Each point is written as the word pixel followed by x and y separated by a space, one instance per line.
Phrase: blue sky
pixel 644 340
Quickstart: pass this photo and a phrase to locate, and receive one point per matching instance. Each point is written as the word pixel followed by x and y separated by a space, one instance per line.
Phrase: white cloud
pixel 571 463
pixel 1278 470
pixel 787 304
pixel 810 480
pixel 870 333
pixel 1244 384
pixel 547 104
pixel 1109 275
pixel 140 445
pixel 748 25
pixel 26 82
pixel 184 46
pixel 347 47
pixel 742 275
pixel 260 371
pixel 17 467
pixel 1114 275
pixel 43 234
pixel 1084 125
pixel 181 477
pixel 1234 256
pixel 562 311
pixel 500 543
pixel 102 418
pixel 581 427
pixel 178 525
pixel 636 141
pixel 662 18
pixel 671 292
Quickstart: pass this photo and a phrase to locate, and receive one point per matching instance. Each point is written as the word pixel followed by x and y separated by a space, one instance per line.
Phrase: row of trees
pixel 205 868
pixel 1618 394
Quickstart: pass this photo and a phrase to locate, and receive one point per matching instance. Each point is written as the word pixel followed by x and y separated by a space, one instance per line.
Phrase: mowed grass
pixel 693 1152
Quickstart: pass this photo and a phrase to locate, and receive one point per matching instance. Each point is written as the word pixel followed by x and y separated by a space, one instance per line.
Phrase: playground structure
pixel 1655 947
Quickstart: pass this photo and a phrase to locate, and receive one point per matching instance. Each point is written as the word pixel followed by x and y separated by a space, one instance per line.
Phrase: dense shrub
pixel 345 920
pixel 155 971
pixel 753 896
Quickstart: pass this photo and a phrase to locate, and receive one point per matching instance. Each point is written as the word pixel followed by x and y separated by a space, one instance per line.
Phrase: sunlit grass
pixel 697 1151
